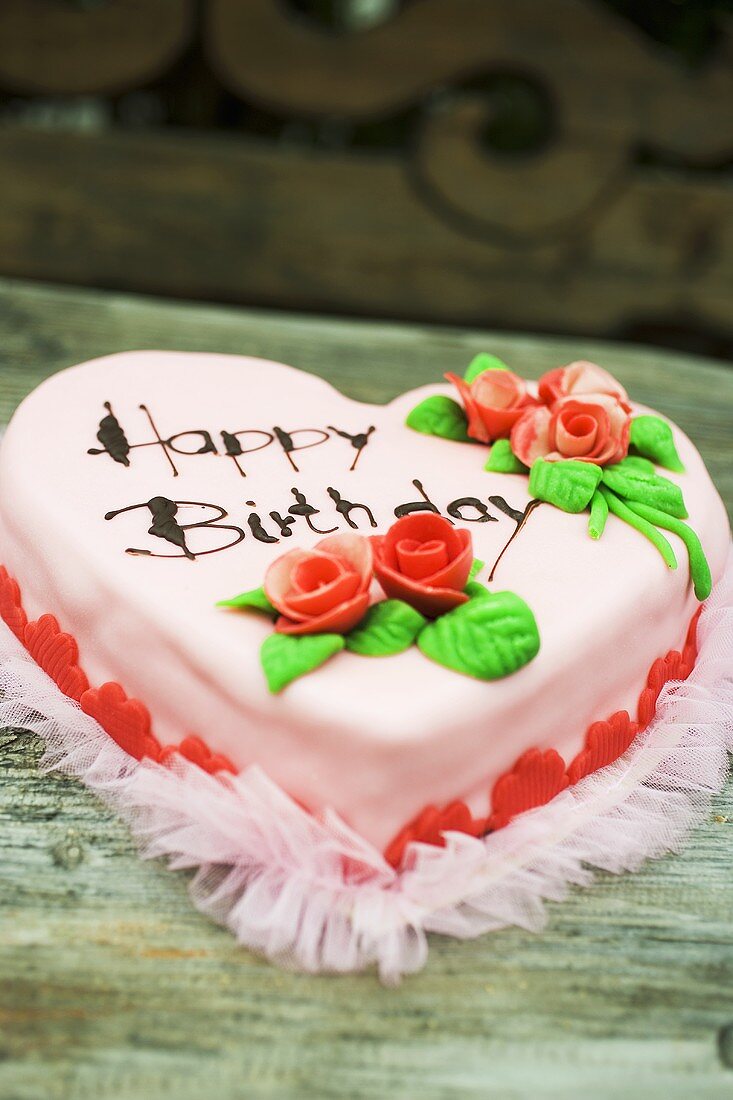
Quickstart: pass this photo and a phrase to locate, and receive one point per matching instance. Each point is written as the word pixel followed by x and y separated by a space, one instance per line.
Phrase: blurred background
pixel 559 166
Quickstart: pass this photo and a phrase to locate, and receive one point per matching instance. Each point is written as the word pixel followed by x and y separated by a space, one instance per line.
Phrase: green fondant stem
pixel 598 515
pixel 624 512
pixel 699 569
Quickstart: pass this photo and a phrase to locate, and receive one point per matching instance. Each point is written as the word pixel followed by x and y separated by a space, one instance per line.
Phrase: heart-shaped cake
pixel 425 616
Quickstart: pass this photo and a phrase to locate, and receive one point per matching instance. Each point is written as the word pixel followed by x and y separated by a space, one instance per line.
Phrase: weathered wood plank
pixel 246 221
pixel 112 987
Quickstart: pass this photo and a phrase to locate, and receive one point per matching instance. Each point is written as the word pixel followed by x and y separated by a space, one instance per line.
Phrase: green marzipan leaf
pixel 633 483
pixel 285 657
pixel 598 515
pixel 476 568
pixel 476 591
pixel 699 569
pixel 569 485
pixel 254 599
pixel 652 437
pixel 481 362
pixel 487 638
pixel 441 416
pixel 621 509
pixel 502 459
pixel 388 627
pixel 636 462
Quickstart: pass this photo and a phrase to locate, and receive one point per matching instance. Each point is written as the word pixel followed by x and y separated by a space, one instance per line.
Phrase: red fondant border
pixel 535 778
pixel 127 721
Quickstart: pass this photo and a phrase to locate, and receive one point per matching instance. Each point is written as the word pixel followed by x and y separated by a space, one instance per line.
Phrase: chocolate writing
pixel 303 508
pixel 235 445
pixel 113 439
pixel 358 441
pixel 191 537
pixel 234 449
pixel 273 527
pixel 165 525
pixel 346 507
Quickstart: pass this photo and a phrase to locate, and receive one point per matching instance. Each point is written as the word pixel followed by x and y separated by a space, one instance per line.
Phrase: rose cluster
pixel 580 412
pixel 423 560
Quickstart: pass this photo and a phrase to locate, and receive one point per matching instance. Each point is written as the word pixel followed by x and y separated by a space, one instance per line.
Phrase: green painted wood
pixel 111 986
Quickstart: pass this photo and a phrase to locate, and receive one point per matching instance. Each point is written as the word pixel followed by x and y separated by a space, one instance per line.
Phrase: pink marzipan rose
pixel 579 379
pixel 594 428
pixel 494 401
pixel 325 589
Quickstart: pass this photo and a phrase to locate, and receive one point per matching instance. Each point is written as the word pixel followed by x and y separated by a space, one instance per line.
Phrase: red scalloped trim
pixel 127 721
pixel 604 743
pixel 57 654
pixel 11 608
pixel 534 780
pixel 430 825
pixel 198 752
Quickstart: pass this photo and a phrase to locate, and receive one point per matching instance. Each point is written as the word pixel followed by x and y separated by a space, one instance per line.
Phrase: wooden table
pixel 111 986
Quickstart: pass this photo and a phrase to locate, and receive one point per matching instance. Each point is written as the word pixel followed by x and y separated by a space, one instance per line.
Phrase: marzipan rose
pixel 323 590
pixel 579 379
pixel 425 561
pixel 494 401
pixel 594 428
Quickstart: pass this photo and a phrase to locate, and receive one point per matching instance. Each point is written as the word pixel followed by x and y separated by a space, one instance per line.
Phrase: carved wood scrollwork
pixel 610 92
pixel 69 48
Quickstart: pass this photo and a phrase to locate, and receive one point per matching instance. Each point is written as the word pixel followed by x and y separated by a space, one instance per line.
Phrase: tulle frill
pixel 311 894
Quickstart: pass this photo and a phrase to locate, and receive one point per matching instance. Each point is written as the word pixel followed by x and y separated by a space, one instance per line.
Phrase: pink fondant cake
pixel 428 615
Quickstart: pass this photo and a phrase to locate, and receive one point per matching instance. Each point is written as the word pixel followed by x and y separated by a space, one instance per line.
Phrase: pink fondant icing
pixel 378 739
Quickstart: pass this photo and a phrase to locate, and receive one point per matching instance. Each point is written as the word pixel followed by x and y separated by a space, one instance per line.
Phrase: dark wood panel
pixel 246 222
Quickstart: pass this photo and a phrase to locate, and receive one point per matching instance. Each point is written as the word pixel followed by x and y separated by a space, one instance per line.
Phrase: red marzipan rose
pixel 592 429
pixel 323 590
pixel 424 561
pixel 580 379
pixel 494 401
